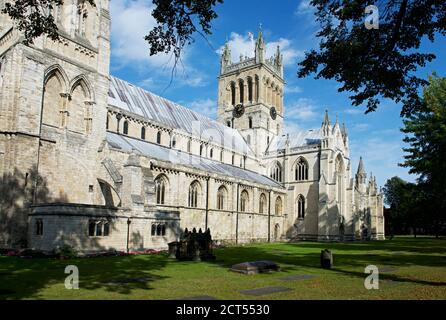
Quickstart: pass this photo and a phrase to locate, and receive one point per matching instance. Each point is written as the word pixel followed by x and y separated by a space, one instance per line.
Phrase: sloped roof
pixel 297 140
pixel 161 153
pixel 128 97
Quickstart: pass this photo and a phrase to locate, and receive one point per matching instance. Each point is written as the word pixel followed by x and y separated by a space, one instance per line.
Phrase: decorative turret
pixel 361 177
pixel 278 61
pixel 336 125
pixel 326 125
pixel 225 58
pixel 260 48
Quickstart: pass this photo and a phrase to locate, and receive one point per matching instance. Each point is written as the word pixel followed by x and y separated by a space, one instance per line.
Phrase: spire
pixel 336 125
pixel 326 119
pixel 361 169
pixel 278 61
pixel 260 47
pixel 326 125
pixel 344 130
pixel 225 57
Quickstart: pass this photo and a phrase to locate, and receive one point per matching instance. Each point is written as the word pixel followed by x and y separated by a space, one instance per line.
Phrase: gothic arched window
pixel 143 133
pixel 78 111
pixel 257 86
pixel 189 145
pixel 82 15
pixel 262 203
pixel 300 207
pixel 222 198
pixel 158 137
pixel 194 192
pixel 250 90
pixel 233 93
pixel 211 154
pixel 244 201
pixel 160 189
pixel 201 150
pixel 173 142
pixel 242 91
pixel 249 139
pixel 278 206
pixel 339 167
pixel 250 123
pixel 276 172
pixel 52 99
pixel 301 170
pixel 126 127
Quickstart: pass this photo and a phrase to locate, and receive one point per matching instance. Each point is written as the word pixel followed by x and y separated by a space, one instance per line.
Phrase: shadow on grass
pixel 26 278
pixel 294 257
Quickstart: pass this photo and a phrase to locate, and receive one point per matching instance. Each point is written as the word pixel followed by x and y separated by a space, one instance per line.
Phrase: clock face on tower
pixel 273 113
pixel 239 111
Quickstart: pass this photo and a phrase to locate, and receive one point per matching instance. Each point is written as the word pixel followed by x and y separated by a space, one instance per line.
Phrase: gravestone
pixel 255 267
pixel 298 277
pixel 326 259
pixel 265 291
pixel 195 246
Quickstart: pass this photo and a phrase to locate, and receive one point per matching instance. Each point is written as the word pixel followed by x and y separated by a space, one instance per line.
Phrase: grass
pixel 418 273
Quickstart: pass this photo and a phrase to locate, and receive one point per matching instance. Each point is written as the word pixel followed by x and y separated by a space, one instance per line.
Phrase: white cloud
pixel 244 45
pixel 131 22
pixel 354 111
pixel 293 89
pixel 206 107
pixel 304 8
pixel 361 127
pixel 382 154
pixel 303 109
pixel 147 84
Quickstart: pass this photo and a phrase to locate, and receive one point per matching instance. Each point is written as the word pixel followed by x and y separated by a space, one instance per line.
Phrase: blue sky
pixel 287 23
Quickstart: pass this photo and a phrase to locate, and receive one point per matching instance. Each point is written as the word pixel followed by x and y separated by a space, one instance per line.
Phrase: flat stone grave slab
pixel 265 291
pixel 298 277
pixel 128 281
pixel 255 267
pixel 389 282
pixel 387 269
pixel 199 298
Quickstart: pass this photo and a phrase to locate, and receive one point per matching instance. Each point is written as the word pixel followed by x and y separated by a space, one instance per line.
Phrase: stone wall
pixel 69 225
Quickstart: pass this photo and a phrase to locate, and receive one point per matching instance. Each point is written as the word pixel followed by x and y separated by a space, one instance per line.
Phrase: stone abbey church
pixel 94 162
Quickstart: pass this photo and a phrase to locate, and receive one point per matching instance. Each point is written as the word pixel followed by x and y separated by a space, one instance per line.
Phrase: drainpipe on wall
pixel 207 203
pixel 269 217
pixel 236 221
pixel 36 181
pixel 129 222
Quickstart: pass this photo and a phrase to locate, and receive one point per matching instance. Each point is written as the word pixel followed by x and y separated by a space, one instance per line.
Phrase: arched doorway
pixel 276 232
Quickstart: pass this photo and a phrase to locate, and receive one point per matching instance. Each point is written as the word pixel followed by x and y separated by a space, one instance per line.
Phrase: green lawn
pixel 418 273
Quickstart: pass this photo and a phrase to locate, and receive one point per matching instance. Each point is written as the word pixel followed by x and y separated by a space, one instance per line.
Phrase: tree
pixel 35 17
pixel 406 205
pixel 177 21
pixel 425 133
pixel 370 64
pixel 378 63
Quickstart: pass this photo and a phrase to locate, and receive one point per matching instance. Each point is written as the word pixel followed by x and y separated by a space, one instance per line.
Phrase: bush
pixel 66 252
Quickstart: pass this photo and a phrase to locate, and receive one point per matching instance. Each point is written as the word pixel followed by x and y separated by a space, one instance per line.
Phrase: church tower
pixel 250 95
pixel 53 109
